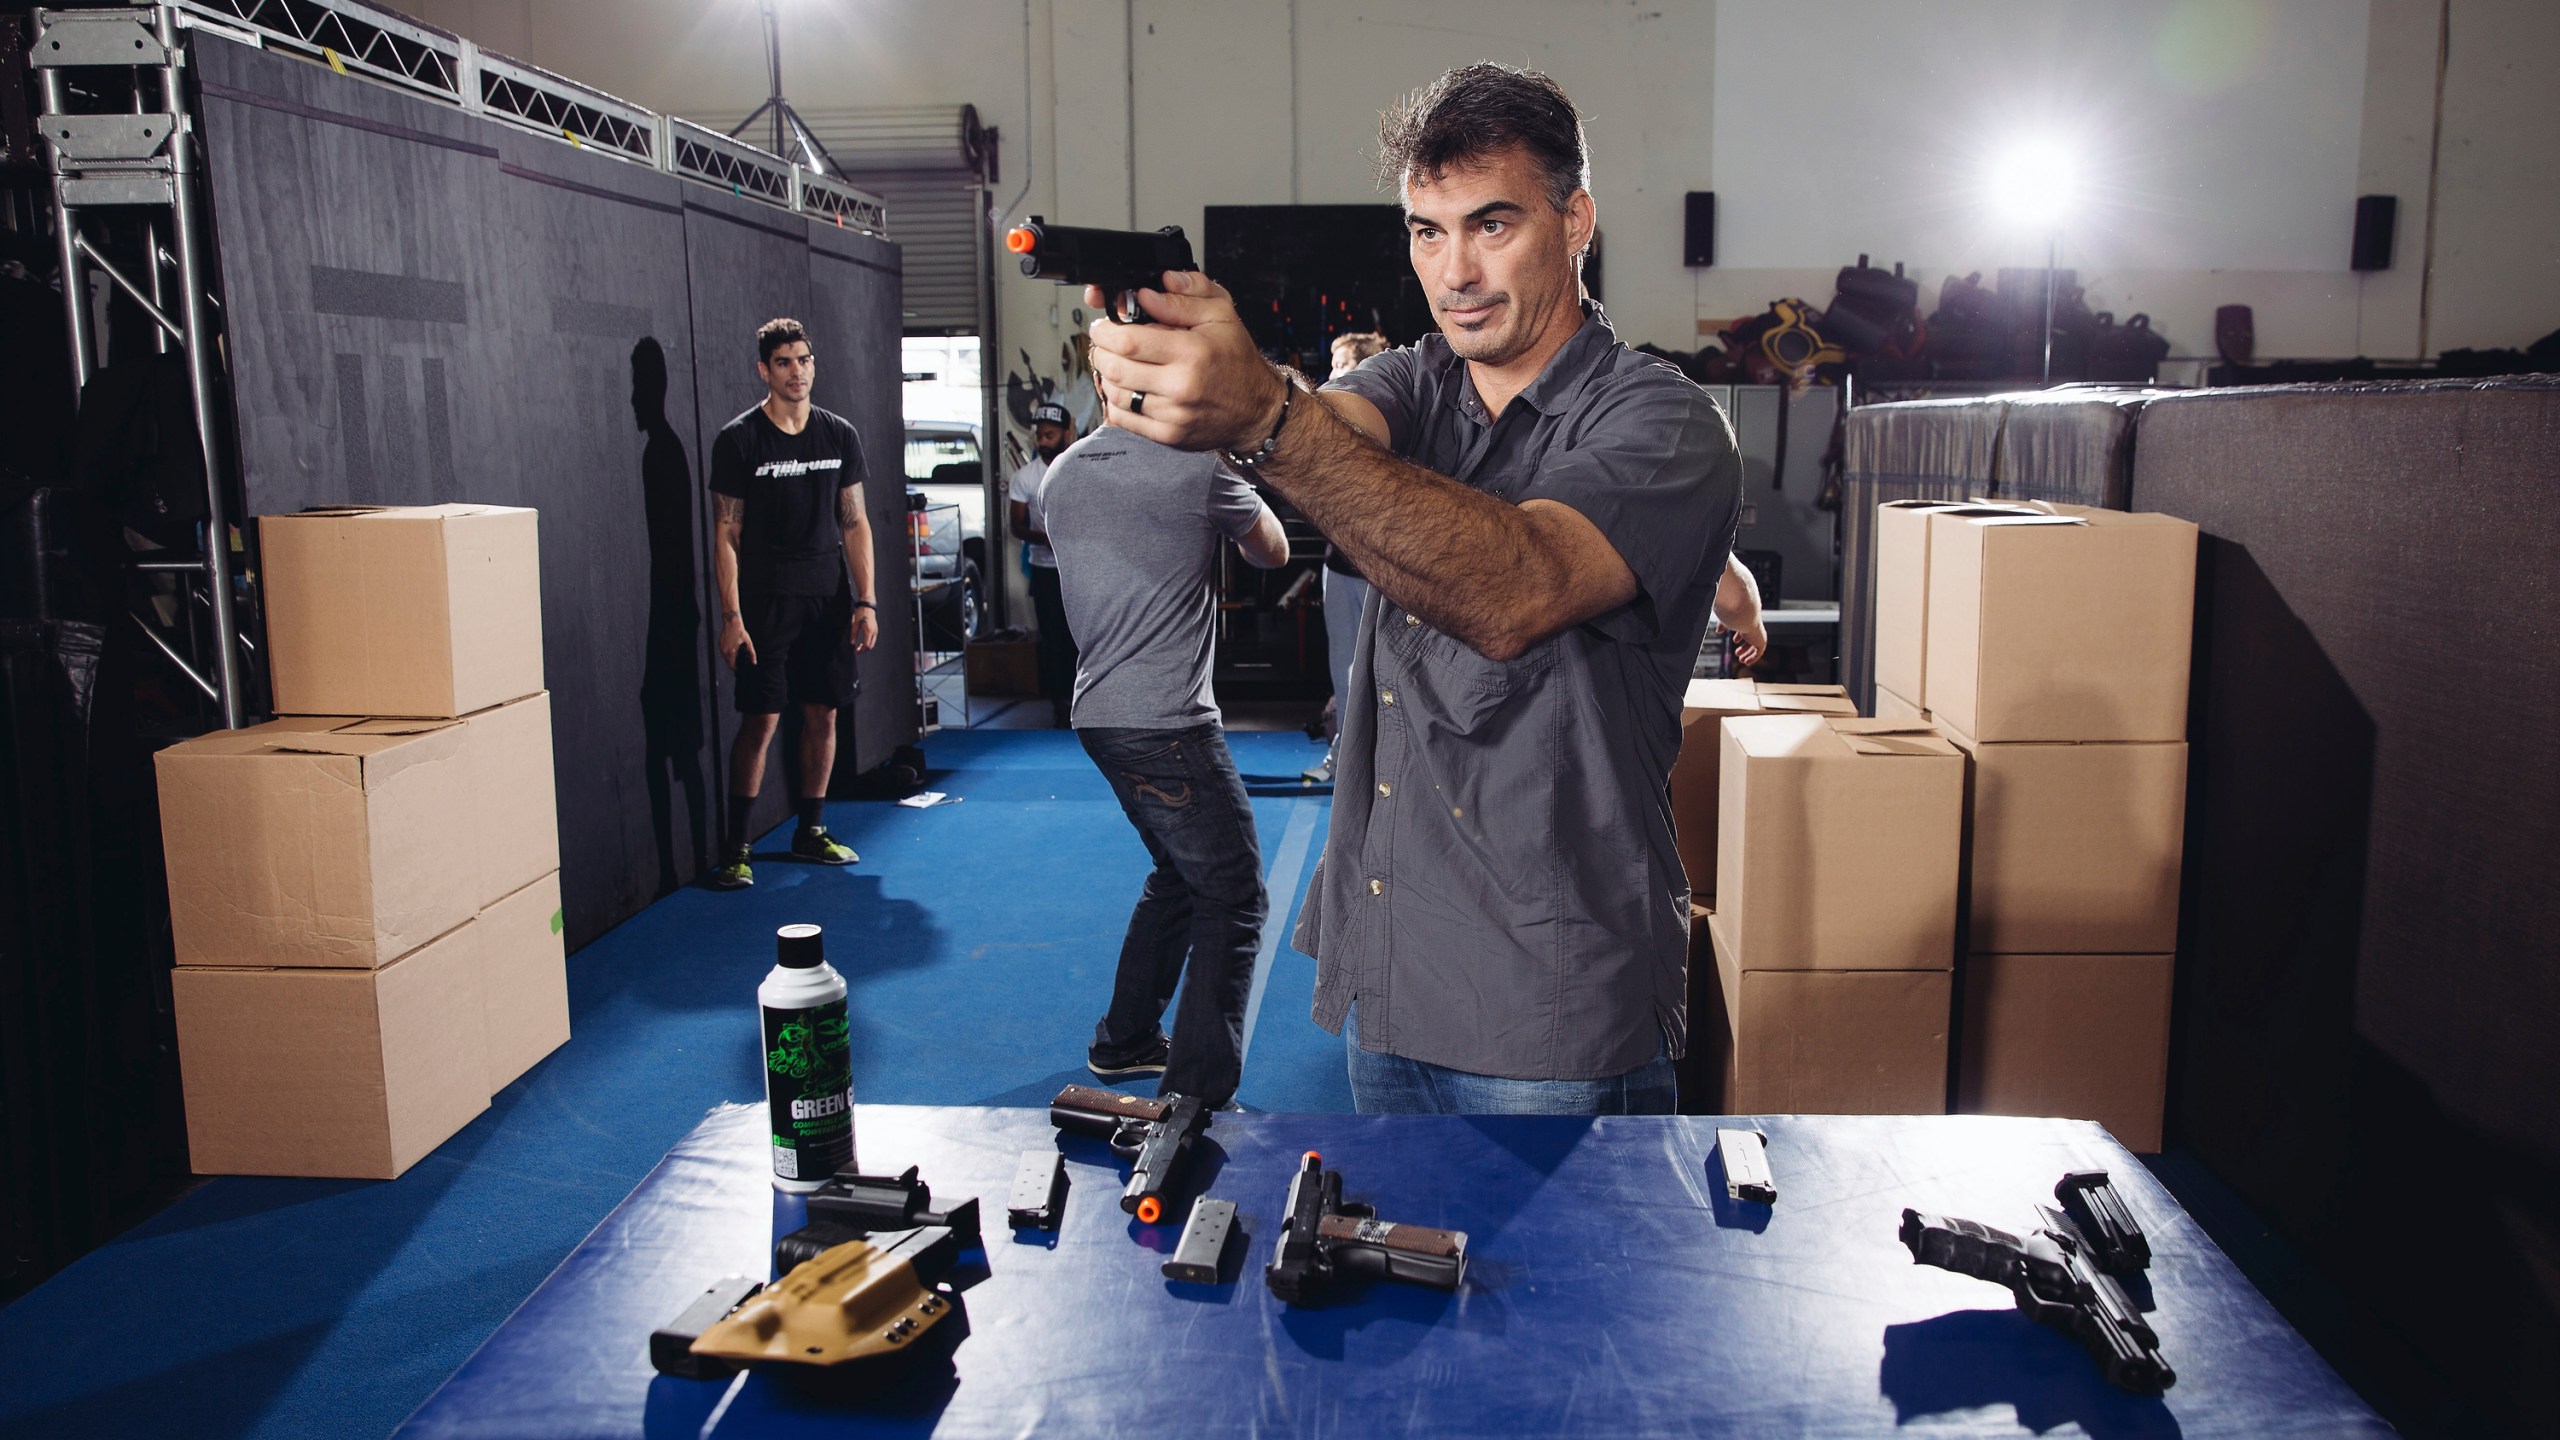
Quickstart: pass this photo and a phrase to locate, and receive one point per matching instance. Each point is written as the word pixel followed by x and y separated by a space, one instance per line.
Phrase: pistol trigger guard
pixel 1125 308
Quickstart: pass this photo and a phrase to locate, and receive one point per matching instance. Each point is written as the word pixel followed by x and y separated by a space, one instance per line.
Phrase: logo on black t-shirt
pixel 797 467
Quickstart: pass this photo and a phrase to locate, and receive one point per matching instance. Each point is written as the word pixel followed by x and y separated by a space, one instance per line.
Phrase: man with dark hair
pixel 792 555
pixel 1500 921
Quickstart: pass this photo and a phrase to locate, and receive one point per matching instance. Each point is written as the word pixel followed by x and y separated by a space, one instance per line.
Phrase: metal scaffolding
pixel 144 160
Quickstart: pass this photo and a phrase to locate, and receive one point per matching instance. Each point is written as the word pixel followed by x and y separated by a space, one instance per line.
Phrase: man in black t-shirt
pixel 792 553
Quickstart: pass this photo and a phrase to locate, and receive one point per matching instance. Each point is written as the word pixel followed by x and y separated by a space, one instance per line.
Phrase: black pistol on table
pixel 1153 1135
pixel 1120 262
pixel 1324 1240
pixel 851 1205
pixel 2057 1283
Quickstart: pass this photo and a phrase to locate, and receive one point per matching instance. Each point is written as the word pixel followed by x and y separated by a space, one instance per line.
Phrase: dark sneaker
pixel 1147 1059
pixel 819 846
pixel 734 874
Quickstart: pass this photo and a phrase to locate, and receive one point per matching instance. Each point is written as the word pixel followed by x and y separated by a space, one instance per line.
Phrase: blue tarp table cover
pixel 1612 1290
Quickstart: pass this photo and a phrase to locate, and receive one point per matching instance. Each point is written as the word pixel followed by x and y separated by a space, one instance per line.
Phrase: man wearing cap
pixel 1051 431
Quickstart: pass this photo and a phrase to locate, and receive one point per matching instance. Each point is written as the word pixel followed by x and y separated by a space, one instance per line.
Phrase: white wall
pixel 1261 101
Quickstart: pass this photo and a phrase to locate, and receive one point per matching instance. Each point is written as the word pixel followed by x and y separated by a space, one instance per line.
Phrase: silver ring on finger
pixel 1137 402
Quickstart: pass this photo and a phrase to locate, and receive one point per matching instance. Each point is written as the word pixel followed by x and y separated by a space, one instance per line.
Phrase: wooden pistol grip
pixel 1110 1103
pixel 1387 1234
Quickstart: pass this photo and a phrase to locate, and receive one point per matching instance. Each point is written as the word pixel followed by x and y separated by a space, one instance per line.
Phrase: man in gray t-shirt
pixel 1136 528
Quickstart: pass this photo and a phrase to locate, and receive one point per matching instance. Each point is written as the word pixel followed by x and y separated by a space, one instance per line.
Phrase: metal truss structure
pixel 144 161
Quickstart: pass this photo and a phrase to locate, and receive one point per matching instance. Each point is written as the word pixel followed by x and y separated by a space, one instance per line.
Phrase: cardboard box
pixel 1003 667
pixel 431 610
pixel 2085 1037
pixel 2074 848
pixel 1890 706
pixel 1902 588
pixel 319 842
pixel 2070 626
pixel 1840 841
pixel 350 1073
pixel 515 832
pixel 525 980
pixel 1829 1042
pixel 1694 772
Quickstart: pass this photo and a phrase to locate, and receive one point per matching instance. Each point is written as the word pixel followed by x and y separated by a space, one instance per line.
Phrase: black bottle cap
pixel 800 947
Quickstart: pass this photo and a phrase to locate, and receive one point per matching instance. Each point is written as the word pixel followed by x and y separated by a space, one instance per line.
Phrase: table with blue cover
pixel 1612 1290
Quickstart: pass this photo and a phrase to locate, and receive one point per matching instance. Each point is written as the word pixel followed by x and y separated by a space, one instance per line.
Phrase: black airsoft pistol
pixel 2057 1279
pixel 1324 1240
pixel 1119 262
pixel 1154 1136
pixel 850 1206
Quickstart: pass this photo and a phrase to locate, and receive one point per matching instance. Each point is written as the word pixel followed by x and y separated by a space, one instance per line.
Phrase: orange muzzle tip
pixel 1150 1210
pixel 1020 239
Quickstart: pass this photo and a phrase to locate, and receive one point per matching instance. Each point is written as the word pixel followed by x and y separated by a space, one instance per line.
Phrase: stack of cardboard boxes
pixel 1820 853
pixel 365 893
pixel 2050 643
pixel 1835 922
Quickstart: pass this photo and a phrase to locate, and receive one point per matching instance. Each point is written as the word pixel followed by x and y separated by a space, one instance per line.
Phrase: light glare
pixel 2034 184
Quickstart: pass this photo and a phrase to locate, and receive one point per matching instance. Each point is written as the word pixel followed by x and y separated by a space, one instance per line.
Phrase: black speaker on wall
pixel 2377 216
pixel 1698 235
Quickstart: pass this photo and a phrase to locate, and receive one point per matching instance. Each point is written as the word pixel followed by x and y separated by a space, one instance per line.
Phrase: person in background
pixel 1052 429
pixel 1136 527
pixel 1738 611
pixel 791 552
pixel 1345 592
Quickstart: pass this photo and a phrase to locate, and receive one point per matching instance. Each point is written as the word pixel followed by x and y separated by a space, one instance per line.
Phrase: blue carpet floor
pixel 978 940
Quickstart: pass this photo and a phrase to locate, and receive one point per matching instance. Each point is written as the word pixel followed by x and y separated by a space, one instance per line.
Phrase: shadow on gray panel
pixel 671 700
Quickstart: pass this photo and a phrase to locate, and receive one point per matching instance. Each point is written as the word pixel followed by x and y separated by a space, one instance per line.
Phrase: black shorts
pixel 804 652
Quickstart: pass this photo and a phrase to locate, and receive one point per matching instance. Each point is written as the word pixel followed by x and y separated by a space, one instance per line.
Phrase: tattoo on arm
pixel 729 510
pixel 848 506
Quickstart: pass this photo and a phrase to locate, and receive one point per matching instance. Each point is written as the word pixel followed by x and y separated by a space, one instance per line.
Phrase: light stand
pixel 2052 257
pixel 791 138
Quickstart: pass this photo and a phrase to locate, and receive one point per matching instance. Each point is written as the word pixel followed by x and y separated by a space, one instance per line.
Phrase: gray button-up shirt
pixel 1500 893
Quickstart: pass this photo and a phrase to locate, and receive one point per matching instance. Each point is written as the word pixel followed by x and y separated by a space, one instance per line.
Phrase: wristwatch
pixel 865 605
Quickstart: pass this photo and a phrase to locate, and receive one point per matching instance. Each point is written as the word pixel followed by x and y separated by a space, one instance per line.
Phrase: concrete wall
pixel 1144 111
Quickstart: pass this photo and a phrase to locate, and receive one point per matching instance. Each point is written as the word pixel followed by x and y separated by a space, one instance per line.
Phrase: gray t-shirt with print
pixel 1136 528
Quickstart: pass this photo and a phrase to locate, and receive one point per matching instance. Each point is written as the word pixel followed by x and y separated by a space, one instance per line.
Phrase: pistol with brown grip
pixel 1326 1238
pixel 1153 1135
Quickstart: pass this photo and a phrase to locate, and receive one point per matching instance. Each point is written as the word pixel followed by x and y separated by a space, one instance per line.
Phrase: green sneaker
pixel 736 875
pixel 819 846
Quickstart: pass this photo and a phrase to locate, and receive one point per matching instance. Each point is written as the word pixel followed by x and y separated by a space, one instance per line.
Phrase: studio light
pixel 2034 184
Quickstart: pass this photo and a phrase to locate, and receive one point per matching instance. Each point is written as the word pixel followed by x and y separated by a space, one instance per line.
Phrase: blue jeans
pixel 1394 1085
pixel 1204 900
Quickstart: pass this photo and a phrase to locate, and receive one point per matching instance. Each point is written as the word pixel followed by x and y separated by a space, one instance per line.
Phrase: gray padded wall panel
pixel 746 264
pixel 2369 963
pixel 354 225
pixel 854 308
pixel 2400 542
